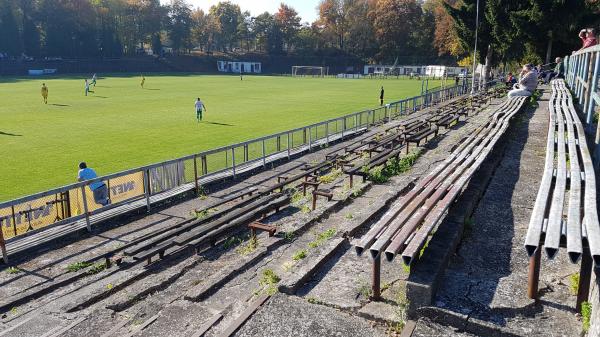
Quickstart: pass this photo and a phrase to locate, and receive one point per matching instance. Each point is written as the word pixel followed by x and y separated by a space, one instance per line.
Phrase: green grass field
pixel 122 126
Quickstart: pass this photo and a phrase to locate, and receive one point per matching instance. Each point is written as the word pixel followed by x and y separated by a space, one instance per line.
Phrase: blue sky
pixel 305 8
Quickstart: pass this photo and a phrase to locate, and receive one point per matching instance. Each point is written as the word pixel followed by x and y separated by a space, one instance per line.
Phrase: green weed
pixel 96 268
pixel 13 270
pixel 269 281
pixel 77 266
pixel 299 255
pixel 574 286
pixel 330 177
pixel 586 315
pixel 289 236
pixel 249 247
pixel 322 237
pixel 231 242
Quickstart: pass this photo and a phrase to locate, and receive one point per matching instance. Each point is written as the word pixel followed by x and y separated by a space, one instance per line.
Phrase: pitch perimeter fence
pixel 141 187
pixel 582 70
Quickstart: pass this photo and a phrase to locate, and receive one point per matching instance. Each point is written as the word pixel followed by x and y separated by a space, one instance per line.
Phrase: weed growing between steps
pixel 321 238
pixel 269 281
pixel 13 270
pixel 77 266
pixel 330 177
pixel 574 286
pixel 393 167
pixel 249 247
pixel 586 315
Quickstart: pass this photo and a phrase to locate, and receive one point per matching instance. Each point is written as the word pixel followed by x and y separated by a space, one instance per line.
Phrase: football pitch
pixel 121 126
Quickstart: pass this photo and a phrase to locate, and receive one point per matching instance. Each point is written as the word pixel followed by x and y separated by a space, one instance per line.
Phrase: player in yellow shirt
pixel 45 93
pixel 143 80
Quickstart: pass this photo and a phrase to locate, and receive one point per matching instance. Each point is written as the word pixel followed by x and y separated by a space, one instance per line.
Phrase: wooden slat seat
pixel 404 229
pixel 564 214
pixel 254 226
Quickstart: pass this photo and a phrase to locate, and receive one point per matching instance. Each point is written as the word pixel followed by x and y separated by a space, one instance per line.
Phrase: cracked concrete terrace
pixel 325 286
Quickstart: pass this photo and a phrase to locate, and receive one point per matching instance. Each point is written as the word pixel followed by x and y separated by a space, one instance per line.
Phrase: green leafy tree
pixel 228 16
pixel 288 23
pixel 180 26
pixel 9 31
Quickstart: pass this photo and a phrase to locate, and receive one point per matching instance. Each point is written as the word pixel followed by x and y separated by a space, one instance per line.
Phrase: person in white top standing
pixel 199 108
pixel 87 87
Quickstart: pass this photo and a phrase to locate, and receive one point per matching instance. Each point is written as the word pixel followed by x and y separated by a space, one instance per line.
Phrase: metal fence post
pixel 309 139
pixel 233 161
pixel 592 86
pixel 196 175
pixel 14 219
pixel 264 159
pixel 327 132
pixel 288 145
pixel 204 165
pixel 3 245
pixel 85 209
pixel 147 188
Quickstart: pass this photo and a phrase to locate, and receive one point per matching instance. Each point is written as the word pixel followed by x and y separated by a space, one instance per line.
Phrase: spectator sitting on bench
pixel 559 71
pixel 510 80
pixel 527 82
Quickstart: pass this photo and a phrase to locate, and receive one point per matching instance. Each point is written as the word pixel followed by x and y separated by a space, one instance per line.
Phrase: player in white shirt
pixel 199 105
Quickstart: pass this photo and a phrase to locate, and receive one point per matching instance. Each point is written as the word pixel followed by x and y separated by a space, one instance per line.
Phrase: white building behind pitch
pixel 239 66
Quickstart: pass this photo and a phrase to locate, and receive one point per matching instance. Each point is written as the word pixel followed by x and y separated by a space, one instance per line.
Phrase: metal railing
pixel 141 185
pixel 582 72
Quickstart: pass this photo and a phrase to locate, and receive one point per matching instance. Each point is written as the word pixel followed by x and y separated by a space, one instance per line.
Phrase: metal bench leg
pixel 376 286
pixel 314 202
pixel 534 274
pixel 585 275
pixel 149 260
pixel 351 180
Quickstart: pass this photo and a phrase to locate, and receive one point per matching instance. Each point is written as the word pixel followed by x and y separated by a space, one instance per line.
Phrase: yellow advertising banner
pixel 45 211
pixel 30 216
pixel 119 189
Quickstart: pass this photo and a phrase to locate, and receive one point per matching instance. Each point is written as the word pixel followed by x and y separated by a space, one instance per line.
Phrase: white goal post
pixel 313 71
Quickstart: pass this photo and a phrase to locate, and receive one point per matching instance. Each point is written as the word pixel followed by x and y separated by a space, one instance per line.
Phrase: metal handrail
pixel 312 135
pixel 204 153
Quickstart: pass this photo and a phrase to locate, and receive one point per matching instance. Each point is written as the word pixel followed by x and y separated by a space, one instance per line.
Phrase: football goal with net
pixel 312 71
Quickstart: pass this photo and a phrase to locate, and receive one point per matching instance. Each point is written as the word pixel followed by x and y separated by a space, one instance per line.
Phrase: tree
pixel 228 16
pixel 393 21
pixel 360 34
pixel 445 39
pixel 244 32
pixel 9 31
pixel 288 23
pixel 180 25
pixel 262 25
pixel 333 19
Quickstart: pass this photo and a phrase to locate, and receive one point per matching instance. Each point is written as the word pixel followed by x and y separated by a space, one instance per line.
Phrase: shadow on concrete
pixel 484 255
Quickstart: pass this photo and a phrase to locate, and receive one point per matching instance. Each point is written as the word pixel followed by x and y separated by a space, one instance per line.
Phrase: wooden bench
pixel 447 121
pixel 158 245
pixel 406 226
pixel 420 135
pixel 324 193
pixel 254 226
pixel 568 186
pixel 209 237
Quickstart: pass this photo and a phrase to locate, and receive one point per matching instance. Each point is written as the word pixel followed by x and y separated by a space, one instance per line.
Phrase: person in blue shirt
pixel 99 188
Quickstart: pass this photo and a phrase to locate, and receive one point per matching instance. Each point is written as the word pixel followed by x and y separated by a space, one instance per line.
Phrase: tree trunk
pixel 487 68
pixel 549 50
